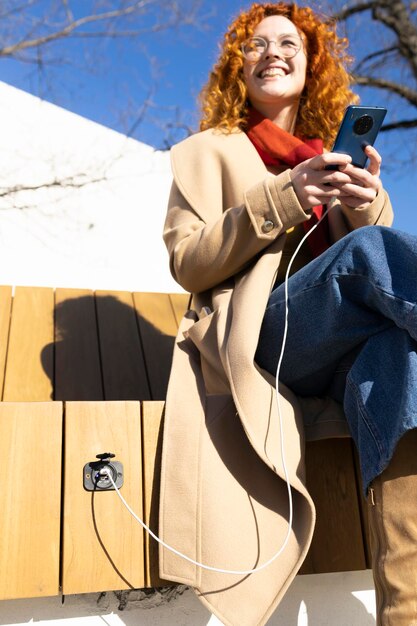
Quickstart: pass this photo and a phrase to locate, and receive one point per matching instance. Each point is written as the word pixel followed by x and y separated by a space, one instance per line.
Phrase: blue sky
pixel 108 83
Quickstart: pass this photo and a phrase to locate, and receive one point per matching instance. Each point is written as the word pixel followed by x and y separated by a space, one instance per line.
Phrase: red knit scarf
pixel 277 147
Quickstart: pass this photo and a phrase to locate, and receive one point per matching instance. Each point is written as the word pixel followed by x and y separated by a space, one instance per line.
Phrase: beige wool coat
pixel 224 499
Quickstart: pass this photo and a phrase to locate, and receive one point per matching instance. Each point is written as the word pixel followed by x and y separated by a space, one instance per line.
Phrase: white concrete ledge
pixel 342 599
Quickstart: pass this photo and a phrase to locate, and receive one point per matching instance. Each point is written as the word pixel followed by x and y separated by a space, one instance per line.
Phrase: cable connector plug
pixel 96 474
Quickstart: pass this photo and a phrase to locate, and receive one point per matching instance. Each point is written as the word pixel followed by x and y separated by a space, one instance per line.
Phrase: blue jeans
pixel 357 301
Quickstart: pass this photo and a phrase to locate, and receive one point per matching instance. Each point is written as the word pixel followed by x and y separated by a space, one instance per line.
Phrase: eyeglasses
pixel 287 45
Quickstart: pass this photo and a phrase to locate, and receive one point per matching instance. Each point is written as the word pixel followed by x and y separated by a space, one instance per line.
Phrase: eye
pixel 255 44
pixel 289 41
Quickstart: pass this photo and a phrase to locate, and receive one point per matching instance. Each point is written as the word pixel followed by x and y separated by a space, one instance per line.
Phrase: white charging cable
pixel 106 471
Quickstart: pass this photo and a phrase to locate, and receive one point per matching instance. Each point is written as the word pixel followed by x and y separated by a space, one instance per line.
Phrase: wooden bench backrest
pixel 104 358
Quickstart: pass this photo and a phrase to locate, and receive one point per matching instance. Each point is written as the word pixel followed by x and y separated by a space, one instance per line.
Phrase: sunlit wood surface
pixel 101 361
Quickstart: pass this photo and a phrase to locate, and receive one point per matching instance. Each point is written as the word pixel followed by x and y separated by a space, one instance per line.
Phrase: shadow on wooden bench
pixel 83 373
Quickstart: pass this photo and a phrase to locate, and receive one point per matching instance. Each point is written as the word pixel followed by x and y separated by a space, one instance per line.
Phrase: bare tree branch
pixel 145 106
pixel 121 33
pixel 401 90
pixel 68 11
pixel 73 27
pixel 17 9
pixel 393 14
pixel 390 62
pixel 403 124
pixel 24 43
pixel 37 32
pixel 375 55
pixel 347 12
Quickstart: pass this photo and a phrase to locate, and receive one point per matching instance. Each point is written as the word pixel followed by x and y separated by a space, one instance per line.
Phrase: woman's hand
pixel 365 184
pixel 354 186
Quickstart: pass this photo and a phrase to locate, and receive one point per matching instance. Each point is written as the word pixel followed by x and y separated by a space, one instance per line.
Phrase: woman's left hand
pixel 365 183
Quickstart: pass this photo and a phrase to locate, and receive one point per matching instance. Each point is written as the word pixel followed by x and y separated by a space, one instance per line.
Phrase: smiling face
pixel 274 83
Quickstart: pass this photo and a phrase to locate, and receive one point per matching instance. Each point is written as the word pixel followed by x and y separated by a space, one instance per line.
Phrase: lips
pixel 272 71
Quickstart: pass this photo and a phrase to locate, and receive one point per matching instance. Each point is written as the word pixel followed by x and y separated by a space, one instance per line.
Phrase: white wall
pixel 107 235
pixel 100 235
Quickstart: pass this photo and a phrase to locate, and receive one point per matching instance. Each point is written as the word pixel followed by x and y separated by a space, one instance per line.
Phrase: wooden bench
pixel 83 373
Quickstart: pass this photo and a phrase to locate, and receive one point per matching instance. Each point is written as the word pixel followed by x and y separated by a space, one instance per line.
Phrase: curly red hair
pixel 326 94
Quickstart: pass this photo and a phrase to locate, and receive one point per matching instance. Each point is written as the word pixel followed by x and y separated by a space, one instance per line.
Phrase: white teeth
pixel 272 71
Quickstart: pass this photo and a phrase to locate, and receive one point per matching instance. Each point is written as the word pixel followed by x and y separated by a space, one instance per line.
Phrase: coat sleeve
pixel 206 248
pixel 344 219
pixel 377 212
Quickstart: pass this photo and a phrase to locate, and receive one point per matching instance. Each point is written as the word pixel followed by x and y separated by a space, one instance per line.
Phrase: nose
pixel 276 52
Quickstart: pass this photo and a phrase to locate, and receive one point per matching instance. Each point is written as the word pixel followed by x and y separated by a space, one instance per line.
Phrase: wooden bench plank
pixel 337 544
pixel 30 451
pixel 77 354
pixel 122 360
pixel 102 542
pixel 158 328
pixel 152 424
pixel 5 313
pixel 118 346
pixel 363 508
pixel 179 303
pixel 29 364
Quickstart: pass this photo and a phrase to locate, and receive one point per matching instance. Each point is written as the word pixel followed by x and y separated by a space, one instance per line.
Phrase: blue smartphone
pixel 359 128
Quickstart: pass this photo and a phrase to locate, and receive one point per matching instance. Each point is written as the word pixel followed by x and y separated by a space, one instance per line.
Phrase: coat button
pixel 267 226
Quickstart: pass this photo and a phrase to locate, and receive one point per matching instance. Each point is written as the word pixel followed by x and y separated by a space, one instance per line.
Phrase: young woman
pixel 245 191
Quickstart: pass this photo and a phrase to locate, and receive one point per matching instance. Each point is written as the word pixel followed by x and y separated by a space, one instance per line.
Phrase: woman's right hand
pixel 315 185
